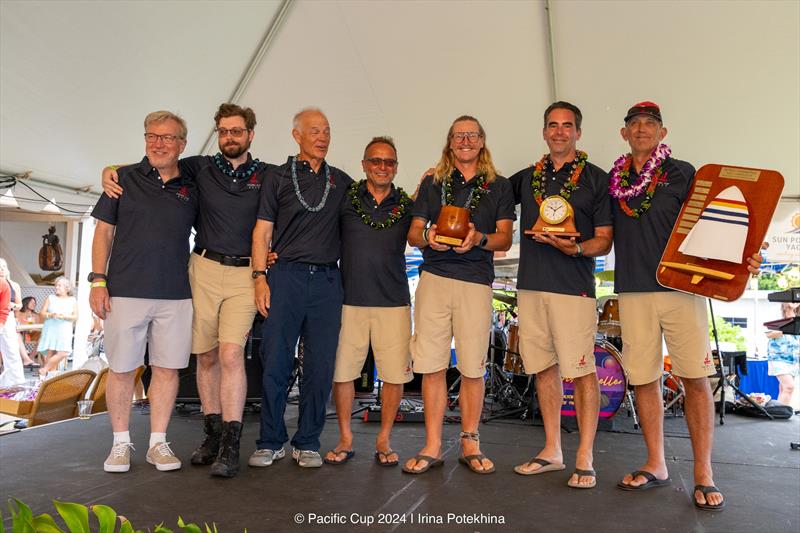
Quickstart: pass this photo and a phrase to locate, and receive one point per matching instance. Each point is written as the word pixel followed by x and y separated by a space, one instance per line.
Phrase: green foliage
pixel 76 519
pixel 728 333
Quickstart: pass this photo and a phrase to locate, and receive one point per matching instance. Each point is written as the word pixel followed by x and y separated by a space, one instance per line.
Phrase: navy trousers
pixel 304 299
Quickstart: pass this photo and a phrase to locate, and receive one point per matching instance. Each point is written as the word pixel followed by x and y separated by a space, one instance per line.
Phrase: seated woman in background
pixel 59 312
pixel 783 355
pixel 26 316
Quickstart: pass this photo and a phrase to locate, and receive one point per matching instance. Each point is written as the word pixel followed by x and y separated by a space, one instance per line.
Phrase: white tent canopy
pixel 78 77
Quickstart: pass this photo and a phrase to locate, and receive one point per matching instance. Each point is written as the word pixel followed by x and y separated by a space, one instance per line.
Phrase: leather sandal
pixel 467 459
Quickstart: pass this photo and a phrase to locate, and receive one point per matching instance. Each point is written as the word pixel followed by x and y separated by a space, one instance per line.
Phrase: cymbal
pixel 510 299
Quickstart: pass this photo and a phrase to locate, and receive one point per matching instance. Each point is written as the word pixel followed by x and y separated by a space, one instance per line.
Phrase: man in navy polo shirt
pixel 454 295
pixel 376 312
pixel 229 187
pixel 298 218
pixel 142 292
pixel 557 309
pixel 649 188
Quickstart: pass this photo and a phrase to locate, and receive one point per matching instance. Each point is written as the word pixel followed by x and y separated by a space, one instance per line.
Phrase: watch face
pixel 554 210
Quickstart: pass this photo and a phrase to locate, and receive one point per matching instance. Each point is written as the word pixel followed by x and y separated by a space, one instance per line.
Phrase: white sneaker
pixel 163 457
pixel 261 458
pixel 119 460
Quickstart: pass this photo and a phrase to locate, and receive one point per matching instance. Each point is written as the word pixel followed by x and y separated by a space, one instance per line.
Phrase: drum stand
pixel 726 380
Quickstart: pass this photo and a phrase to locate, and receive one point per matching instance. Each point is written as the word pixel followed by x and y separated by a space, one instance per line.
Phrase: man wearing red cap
pixel 649 188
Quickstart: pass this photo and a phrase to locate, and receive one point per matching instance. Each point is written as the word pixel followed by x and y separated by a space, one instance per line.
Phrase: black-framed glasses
pixel 233 132
pixel 153 138
pixel 471 136
pixel 377 161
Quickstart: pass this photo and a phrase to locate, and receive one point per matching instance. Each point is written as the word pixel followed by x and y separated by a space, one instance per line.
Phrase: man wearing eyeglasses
pixel 229 185
pixel 557 315
pixel 140 286
pixel 298 218
pixel 376 312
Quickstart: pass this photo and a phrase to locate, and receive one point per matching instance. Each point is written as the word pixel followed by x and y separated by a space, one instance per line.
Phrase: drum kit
pixel 511 391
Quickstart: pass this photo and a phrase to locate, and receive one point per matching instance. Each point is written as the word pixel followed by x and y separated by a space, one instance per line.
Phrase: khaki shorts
pixel 682 319
pixel 557 329
pixel 224 303
pixel 446 308
pixel 388 329
pixel 164 326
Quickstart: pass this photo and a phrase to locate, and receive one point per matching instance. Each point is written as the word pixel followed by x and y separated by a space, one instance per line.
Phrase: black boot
pixel 207 452
pixel 227 463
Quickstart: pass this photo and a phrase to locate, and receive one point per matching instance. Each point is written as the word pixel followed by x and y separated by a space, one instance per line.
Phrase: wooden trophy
pixel 555 218
pixel 723 222
pixel 452 226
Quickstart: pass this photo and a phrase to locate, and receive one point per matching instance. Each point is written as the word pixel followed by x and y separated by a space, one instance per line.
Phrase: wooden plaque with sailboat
pixel 722 223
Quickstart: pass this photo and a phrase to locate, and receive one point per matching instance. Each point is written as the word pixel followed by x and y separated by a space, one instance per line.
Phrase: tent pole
pixel 553 78
pixel 269 35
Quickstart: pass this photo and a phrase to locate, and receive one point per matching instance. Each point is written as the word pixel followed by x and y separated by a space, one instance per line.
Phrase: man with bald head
pixel 301 295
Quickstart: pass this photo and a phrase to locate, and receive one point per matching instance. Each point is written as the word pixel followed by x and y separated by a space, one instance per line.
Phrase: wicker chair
pixel 98 393
pixel 58 397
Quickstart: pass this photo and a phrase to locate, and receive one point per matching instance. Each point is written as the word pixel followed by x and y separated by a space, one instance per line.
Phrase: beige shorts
pixel 557 329
pixel 388 329
pixel 224 303
pixel 164 326
pixel 445 309
pixel 682 319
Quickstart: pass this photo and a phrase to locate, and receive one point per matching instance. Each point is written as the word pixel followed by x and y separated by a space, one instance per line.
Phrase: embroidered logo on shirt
pixel 183 193
pixel 253 184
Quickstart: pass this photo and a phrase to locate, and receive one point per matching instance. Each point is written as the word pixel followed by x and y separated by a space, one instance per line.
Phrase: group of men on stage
pixel 321 257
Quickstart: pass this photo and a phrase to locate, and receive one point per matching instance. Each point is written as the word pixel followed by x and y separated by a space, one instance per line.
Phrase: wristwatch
pixel 257 273
pixel 484 241
pixel 94 275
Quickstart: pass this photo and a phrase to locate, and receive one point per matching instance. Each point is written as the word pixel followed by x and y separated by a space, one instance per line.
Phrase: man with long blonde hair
pixel 454 295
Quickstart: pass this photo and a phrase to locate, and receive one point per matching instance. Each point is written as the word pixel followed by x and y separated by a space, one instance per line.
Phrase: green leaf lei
pixel 475 195
pixel 395 215
pixel 566 190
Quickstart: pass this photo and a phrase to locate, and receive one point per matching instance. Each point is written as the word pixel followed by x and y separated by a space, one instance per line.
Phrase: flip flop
pixel 385 456
pixel 547 466
pixel 348 454
pixel 582 472
pixel 652 481
pixel 467 460
pixel 706 489
pixel 431 462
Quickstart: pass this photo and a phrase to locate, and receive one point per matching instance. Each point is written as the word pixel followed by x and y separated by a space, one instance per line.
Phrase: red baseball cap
pixel 644 108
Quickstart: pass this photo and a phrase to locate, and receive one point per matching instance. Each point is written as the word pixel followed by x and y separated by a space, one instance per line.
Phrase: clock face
pixel 554 210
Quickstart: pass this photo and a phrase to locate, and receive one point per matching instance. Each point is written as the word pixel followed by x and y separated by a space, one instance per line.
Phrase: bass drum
pixel 610 376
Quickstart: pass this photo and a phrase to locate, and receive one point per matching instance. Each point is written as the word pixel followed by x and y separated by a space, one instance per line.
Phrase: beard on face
pixel 234 149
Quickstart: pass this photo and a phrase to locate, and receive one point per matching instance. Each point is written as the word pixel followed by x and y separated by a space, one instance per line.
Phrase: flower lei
pixel 537 184
pixel 394 216
pixel 328 183
pixel 238 174
pixel 475 195
pixel 651 175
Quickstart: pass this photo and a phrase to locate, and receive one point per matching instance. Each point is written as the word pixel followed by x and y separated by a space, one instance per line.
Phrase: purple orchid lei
pixel 619 187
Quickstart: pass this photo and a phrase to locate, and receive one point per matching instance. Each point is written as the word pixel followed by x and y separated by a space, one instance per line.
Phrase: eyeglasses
pixel 233 132
pixel 153 138
pixel 471 136
pixel 377 161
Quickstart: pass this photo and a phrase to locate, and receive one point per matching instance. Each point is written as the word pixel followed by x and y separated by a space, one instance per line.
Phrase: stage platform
pixel 753 465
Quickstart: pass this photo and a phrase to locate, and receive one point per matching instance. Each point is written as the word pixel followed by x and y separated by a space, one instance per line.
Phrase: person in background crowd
pixel 783 355
pixel 28 315
pixel 16 306
pixel 59 313
pixel 13 372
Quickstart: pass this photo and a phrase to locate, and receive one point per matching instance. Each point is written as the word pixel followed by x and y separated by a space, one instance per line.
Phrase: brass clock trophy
pixel 555 218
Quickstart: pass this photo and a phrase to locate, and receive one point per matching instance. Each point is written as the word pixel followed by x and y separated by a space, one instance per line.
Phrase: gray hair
pixel 299 115
pixel 161 116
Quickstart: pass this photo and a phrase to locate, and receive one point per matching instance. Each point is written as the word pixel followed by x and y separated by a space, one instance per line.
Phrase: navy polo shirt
pixel 228 204
pixel 373 260
pixel 640 242
pixel 301 235
pixel 543 267
pixel 152 220
pixel 477 265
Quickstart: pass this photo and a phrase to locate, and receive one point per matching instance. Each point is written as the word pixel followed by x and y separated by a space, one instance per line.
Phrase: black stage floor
pixel 753 464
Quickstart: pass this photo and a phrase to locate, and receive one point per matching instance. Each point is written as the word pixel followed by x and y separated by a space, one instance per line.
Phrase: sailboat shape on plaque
pixel 721 231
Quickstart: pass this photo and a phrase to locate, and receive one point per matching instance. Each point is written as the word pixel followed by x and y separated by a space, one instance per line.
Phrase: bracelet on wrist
pixel 579 253
pixel 98 284
pixel 425 235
